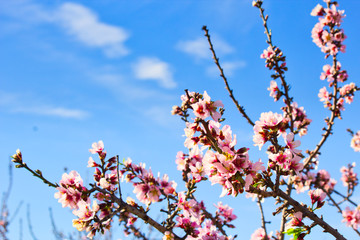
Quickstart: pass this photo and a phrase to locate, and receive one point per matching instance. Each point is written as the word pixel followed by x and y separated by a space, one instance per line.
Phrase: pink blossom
pixel 295 164
pixel 97 147
pixel 188 224
pixel 349 177
pixel 225 212
pixel 103 183
pixel 208 232
pixel 269 123
pixel 180 161
pixel 351 217
pixel 70 190
pixel 166 186
pixel 317 34
pixel 259 234
pixel 317 11
pixel 317 196
pixel 296 220
pixel 205 108
pixel 274 90
pixel 355 142
pixel 252 170
pixel 291 144
pixel 92 163
pixel 131 221
pixel 324 97
pixel 84 212
pixel 325 181
pixel 347 91
pixel 268 53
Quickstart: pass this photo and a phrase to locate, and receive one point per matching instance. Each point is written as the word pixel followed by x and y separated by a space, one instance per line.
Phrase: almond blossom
pixel 205 108
pixel 355 142
pixel 268 126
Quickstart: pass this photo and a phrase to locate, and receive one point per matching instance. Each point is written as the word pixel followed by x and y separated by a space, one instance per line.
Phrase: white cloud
pixel 77 20
pixel 54 111
pixel 30 104
pixel 199 48
pixel 154 69
pixel 125 90
pixel 229 68
pixel 85 26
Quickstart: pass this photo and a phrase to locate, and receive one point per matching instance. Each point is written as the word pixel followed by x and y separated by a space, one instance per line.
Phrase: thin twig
pixel 222 75
pixel 263 222
pixel 298 207
pixel 283 214
pixel 334 109
pixel 118 177
pixel 280 73
pixel 20 229
pixel 137 212
pixel 29 223
pixel 345 197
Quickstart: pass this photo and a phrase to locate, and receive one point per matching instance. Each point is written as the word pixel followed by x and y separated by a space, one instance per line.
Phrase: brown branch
pixel 118 177
pixel 140 214
pixel 329 122
pixel 222 75
pixel 345 198
pixel 306 212
pixel 283 214
pixel 263 222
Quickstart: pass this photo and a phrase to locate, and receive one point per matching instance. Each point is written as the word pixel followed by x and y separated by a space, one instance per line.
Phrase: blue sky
pixel 73 73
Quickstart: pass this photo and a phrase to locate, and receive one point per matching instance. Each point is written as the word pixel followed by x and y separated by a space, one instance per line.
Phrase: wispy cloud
pixel 77 20
pixel 85 26
pixel 228 67
pixel 154 69
pixel 199 48
pixel 30 104
pixel 126 90
pixel 54 111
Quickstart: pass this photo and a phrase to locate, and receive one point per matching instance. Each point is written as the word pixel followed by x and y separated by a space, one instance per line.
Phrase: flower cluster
pixel 274 58
pixel 222 163
pixel 329 73
pixel 349 177
pixel 71 193
pixel 299 118
pixel 287 158
pixel 191 164
pixel 321 179
pixel 328 35
pixel 225 214
pixel 71 190
pixel 209 231
pixel 324 33
pixel 201 104
pixel 95 217
pixel 147 188
pixel 269 126
pixel 351 217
